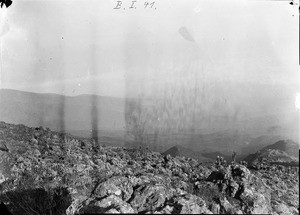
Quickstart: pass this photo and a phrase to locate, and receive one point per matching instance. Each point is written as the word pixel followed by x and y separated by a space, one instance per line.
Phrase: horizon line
pixel 72 96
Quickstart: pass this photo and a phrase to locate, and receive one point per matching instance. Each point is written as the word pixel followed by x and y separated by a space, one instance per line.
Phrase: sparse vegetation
pixel 233 156
pixel 220 161
pixel 245 163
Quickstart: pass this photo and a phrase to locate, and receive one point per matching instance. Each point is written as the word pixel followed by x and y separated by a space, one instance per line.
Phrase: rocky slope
pixel 44 172
pixel 283 152
pixel 288 146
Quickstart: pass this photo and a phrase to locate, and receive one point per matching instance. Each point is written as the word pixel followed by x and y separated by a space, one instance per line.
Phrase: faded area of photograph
pixel 194 79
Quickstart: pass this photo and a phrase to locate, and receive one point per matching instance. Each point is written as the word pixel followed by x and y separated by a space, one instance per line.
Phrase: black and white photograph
pixel 149 107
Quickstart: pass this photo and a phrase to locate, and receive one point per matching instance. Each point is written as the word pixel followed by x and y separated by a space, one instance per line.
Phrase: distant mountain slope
pixel 258 143
pixel 185 152
pixel 221 142
pixel 288 146
pixel 285 152
pixel 62 112
pixel 85 113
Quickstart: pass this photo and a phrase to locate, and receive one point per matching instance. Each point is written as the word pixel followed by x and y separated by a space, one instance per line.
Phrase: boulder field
pixel 46 172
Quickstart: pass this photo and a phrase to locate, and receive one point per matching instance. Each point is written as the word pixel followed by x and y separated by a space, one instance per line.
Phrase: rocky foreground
pixel 45 172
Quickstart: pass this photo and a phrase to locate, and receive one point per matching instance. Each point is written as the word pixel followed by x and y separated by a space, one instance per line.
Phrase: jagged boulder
pixel 149 197
pixel 282 209
pixel 109 204
pixel 77 203
pixel 232 188
pixel 256 201
pixel 189 204
pixel 235 181
pixel 117 204
pixel 119 185
pixel 227 208
pixel 239 171
pixel 215 208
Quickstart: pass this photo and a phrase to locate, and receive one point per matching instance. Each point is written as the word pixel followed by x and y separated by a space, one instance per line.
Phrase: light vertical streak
pixel 297 105
pixel 1 66
pixel 3 14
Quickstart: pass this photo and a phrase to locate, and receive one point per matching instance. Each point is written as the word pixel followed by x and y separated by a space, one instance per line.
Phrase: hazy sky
pixel 80 47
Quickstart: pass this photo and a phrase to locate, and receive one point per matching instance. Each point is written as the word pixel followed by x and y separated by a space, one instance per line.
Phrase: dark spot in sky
pixel 7 3
pixel 62 38
pixel 183 31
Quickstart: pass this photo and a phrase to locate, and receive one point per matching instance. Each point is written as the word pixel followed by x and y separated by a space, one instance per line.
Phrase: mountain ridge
pixel 80 113
pixel 284 152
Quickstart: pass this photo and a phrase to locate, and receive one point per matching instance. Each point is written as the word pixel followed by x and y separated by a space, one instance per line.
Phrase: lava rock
pixel 118 185
pixel 148 197
pixel 190 204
